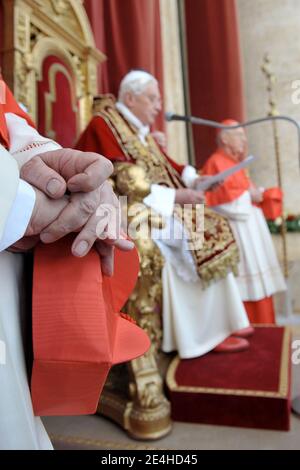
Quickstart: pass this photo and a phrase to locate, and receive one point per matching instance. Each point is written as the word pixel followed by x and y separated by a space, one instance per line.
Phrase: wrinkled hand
pixel 84 174
pixel 45 211
pixel 97 216
pixel 160 138
pixel 25 244
pixel 189 196
pixel 256 195
pixel 54 172
pixel 203 178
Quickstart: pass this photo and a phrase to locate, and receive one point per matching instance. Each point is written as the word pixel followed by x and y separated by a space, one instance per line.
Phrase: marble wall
pixel 173 81
pixel 273 26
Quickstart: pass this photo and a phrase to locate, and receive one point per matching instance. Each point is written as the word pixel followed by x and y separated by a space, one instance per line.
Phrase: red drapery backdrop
pixel 1 32
pixel 214 67
pixel 128 32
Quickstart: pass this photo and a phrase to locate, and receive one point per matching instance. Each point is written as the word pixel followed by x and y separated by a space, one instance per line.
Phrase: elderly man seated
pixel 202 307
pixel 259 271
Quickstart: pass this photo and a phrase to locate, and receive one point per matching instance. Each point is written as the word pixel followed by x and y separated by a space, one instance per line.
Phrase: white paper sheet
pixel 220 177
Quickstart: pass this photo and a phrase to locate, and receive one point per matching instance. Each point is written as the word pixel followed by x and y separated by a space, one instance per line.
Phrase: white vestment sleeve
pixel 237 209
pixel 189 175
pixel 25 141
pixel 161 199
pixel 19 216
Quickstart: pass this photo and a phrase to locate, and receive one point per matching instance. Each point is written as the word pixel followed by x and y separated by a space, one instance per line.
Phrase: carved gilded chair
pixel 134 393
pixel 49 51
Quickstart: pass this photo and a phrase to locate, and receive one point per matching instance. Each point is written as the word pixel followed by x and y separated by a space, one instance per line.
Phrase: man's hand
pixel 45 211
pixel 84 174
pixel 257 194
pixel 160 138
pixel 189 196
pixel 203 178
pixel 96 215
pixel 25 244
pixel 54 172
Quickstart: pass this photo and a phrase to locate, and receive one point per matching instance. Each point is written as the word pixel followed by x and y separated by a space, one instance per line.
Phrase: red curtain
pixel 128 32
pixel 1 32
pixel 214 67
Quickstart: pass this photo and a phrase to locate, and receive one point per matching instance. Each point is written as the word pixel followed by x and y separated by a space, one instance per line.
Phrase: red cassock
pixel 8 104
pixel 260 311
pixel 78 332
pixel 99 138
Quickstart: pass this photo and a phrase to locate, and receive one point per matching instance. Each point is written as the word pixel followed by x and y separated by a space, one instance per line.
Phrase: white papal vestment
pixel 259 271
pixel 19 428
pixel 195 319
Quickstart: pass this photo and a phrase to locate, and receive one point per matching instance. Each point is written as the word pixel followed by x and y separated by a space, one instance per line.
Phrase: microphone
pixel 175 117
pixel 169 116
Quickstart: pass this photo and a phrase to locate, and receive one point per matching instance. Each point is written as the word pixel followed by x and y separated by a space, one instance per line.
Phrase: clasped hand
pixel 91 207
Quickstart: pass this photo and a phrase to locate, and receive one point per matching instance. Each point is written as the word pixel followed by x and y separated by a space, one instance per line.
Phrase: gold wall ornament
pixel 273 111
pixel 35 29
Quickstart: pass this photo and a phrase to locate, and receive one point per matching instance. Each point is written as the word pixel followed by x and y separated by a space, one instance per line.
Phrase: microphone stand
pixel 207 122
pixel 217 125
pixel 296 405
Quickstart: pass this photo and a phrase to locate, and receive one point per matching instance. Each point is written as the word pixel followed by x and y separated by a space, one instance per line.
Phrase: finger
pixel 92 171
pixel 124 245
pixel 120 243
pixel 37 173
pixel 106 253
pixel 93 232
pixel 108 229
pixel 25 244
pixel 84 171
pixel 77 213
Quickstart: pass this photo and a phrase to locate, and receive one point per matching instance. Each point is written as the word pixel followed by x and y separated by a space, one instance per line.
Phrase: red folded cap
pixel 273 194
pixel 4 138
pixel 227 122
pixel 78 333
pixel 272 203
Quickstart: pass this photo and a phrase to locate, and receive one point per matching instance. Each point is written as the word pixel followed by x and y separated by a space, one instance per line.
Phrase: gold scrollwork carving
pixel 147 410
pixel 43 28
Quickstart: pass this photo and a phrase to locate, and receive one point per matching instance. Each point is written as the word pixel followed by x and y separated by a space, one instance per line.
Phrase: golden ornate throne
pixel 134 393
pixel 49 51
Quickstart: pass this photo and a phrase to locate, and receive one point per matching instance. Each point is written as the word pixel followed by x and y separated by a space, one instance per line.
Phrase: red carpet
pixel 248 389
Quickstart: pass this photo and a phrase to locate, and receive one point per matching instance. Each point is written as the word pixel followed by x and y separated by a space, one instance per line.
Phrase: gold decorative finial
pixel 266 68
pixel 271 80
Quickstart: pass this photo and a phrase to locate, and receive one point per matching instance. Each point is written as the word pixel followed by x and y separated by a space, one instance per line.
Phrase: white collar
pixel 143 131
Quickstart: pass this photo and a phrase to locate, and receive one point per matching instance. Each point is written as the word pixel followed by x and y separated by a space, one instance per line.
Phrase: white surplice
pixel 195 320
pixel 19 428
pixel 259 271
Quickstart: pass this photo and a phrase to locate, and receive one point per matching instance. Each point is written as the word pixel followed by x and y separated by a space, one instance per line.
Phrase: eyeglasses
pixel 154 99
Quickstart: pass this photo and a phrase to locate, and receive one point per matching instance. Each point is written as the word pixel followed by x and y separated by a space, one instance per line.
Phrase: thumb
pixel 40 175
